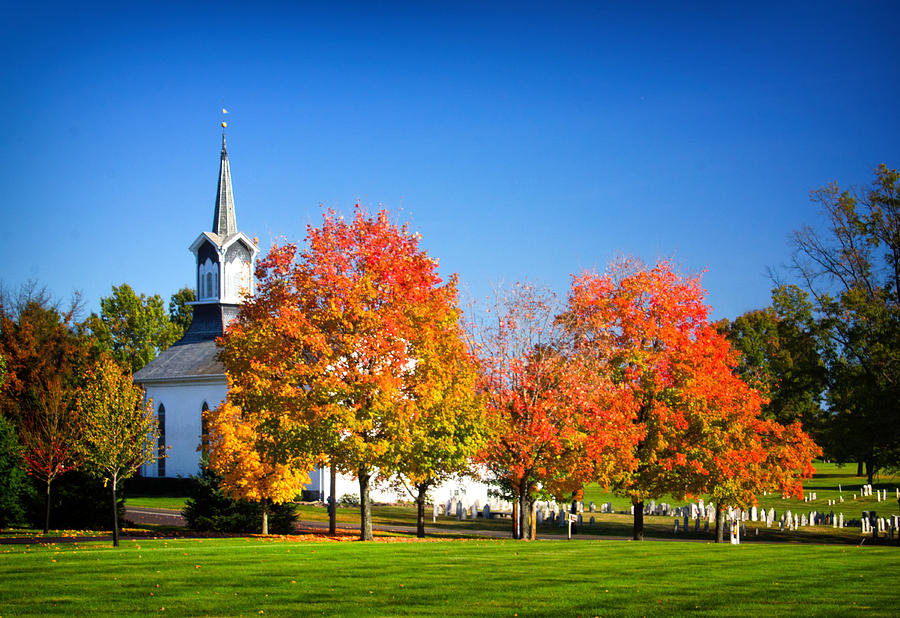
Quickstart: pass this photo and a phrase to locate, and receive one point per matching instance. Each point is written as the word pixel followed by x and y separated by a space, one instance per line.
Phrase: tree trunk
pixel 332 503
pixel 574 510
pixel 859 468
pixel 870 470
pixel 524 510
pixel 47 513
pixel 638 532
pixel 365 509
pixel 115 506
pixel 265 519
pixel 420 509
pixel 533 519
pixel 720 523
pixel 515 519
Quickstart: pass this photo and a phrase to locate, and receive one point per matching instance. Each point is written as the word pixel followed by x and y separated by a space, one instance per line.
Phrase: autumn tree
pixel 133 328
pixel 41 345
pixel 327 340
pixel 50 438
pixel 698 422
pixel 442 425
pixel 246 449
pixel 556 422
pixel 851 267
pixel 119 430
pixel 738 453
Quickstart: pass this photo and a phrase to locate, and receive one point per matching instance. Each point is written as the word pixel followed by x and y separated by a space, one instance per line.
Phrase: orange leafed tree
pixel 556 423
pixel 326 340
pixel 702 433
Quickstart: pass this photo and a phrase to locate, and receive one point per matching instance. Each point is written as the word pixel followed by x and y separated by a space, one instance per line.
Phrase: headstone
pixel 459 511
pixel 796 521
pixel 580 519
pixel 592 507
pixel 592 520
pixel 705 525
pixel 753 513
pixel 580 506
pixel 473 512
pixel 451 508
pixel 562 516
pixel 435 512
pixel 676 526
pixel 697 525
pixel 686 523
pixel 486 513
pixel 840 520
pixel 609 507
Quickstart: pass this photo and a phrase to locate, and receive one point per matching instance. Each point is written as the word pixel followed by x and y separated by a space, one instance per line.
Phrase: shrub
pixel 78 502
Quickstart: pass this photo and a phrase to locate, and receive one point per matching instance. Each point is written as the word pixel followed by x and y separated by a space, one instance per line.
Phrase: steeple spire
pixel 224 223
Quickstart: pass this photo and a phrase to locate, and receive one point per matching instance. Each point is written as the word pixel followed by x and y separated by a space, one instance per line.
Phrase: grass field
pixel 255 576
pixel 829 478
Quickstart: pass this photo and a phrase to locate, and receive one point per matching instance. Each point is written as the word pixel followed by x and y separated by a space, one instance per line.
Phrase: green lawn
pixel 256 576
pixel 155 502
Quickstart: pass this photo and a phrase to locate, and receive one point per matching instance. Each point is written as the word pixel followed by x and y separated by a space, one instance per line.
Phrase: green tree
pixel 14 486
pixel 180 312
pixel 119 430
pixel 852 269
pixel 132 328
pixel 780 357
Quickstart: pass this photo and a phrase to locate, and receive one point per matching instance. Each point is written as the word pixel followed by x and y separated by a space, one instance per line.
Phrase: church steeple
pixel 224 223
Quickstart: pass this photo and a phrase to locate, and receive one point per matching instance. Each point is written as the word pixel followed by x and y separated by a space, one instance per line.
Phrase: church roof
pixel 185 361
pixel 224 222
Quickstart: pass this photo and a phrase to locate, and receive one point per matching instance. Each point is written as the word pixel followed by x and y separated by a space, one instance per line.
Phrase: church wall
pixel 183 403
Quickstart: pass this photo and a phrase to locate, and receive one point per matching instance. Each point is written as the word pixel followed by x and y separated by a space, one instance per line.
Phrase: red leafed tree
pixel 699 423
pixel 49 438
pixel 326 339
pixel 556 424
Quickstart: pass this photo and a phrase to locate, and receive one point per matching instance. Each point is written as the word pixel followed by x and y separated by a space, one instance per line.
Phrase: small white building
pixel 187 378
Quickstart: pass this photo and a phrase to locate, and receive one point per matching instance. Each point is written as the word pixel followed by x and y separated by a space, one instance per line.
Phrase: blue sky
pixel 525 140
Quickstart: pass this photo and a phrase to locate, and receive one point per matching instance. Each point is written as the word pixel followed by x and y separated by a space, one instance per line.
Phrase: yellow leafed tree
pixel 247 450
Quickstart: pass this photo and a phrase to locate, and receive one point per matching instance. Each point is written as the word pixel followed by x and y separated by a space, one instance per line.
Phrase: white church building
pixel 187 378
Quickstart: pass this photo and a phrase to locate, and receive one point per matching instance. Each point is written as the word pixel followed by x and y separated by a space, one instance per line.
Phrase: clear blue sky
pixel 522 140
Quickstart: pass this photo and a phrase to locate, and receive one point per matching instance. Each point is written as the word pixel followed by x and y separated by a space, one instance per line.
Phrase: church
pixel 187 378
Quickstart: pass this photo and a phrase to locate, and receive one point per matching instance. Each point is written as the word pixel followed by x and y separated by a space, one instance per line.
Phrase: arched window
pixel 161 442
pixel 204 432
pixel 209 285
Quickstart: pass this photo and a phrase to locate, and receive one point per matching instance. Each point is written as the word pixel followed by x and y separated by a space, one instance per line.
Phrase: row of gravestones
pixel 876 526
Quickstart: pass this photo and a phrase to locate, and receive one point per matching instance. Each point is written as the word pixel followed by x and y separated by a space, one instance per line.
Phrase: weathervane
pixel 224 124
